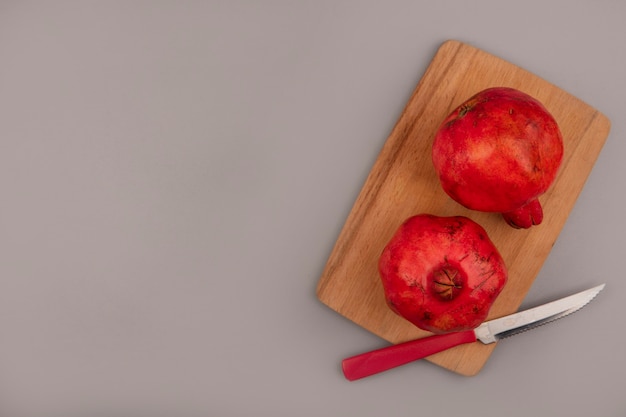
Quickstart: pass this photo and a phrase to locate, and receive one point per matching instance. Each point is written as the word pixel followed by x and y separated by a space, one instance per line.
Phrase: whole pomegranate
pixel 498 152
pixel 441 273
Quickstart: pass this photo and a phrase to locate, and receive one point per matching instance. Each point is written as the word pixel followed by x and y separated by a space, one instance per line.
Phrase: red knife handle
pixel 380 360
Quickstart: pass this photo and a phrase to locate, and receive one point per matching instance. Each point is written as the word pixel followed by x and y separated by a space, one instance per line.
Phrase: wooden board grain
pixel 402 183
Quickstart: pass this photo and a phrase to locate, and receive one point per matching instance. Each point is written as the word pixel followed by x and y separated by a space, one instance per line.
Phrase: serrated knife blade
pixel 370 363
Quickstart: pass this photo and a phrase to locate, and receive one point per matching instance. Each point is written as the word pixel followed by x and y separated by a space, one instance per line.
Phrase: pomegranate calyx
pixel 447 282
pixel 530 214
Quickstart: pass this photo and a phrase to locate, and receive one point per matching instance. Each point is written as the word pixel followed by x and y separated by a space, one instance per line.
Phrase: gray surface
pixel 174 176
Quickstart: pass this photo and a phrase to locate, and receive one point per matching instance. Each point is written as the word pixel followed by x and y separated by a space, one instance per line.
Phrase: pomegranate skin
pixel 441 273
pixel 497 152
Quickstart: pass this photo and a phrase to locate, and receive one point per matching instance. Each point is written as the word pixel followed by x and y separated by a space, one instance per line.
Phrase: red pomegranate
pixel 498 152
pixel 441 273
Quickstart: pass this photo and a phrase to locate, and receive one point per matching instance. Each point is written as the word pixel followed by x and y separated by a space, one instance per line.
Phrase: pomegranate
pixel 498 152
pixel 441 273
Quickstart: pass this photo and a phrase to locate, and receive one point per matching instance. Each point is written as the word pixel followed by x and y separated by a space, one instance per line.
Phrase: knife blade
pixel 379 360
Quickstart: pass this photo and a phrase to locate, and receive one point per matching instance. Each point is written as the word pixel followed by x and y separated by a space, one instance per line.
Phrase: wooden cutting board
pixel 403 183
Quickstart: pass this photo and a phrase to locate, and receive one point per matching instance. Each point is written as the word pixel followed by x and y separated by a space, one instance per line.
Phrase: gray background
pixel 175 174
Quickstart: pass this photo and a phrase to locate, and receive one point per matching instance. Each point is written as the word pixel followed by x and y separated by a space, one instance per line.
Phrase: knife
pixel 386 358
